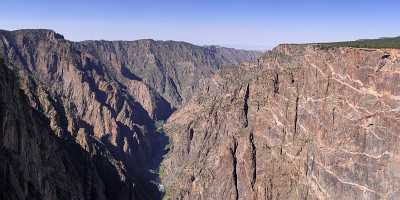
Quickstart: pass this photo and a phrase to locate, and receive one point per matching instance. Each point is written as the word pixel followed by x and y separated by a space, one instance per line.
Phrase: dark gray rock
pixel 105 98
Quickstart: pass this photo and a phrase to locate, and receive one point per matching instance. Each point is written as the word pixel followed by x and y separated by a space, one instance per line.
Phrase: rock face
pixel 172 68
pixel 83 120
pixel 91 109
pixel 301 123
pixel 35 164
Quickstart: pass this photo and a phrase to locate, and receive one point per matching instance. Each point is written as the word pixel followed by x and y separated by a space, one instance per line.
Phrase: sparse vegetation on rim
pixel 381 43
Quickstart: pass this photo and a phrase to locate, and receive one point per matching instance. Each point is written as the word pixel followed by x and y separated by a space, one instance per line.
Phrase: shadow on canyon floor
pixel 143 165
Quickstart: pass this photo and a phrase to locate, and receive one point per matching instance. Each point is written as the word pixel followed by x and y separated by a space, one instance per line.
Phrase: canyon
pixel 153 119
pixel 105 100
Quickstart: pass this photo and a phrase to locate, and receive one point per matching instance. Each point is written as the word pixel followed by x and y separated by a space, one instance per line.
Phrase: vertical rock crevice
pixel 234 167
pixel 276 83
pixel 253 160
pixel 296 114
pixel 246 106
pixel 189 141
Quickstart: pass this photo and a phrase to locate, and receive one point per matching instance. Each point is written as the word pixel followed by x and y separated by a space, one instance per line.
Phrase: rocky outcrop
pixel 36 164
pixel 301 123
pixel 105 98
pixel 172 68
pixel 83 120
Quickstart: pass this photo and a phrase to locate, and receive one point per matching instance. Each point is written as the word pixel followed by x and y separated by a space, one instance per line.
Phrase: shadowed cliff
pixel 107 97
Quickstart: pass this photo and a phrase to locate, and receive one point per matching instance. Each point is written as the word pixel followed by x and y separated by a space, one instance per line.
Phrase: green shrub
pixel 159 126
pixel 392 43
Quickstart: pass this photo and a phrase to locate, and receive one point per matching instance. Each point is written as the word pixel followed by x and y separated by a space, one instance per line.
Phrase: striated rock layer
pixel 35 164
pixel 104 99
pixel 301 123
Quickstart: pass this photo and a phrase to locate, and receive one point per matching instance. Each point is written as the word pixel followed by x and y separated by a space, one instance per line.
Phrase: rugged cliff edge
pixel 104 99
pixel 35 163
pixel 83 120
pixel 301 123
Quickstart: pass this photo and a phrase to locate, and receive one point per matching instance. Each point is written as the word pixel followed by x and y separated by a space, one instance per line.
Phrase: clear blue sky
pixel 241 24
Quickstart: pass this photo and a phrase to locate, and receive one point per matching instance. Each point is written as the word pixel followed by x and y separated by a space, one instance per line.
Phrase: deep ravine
pixel 162 119
pixel 108 99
